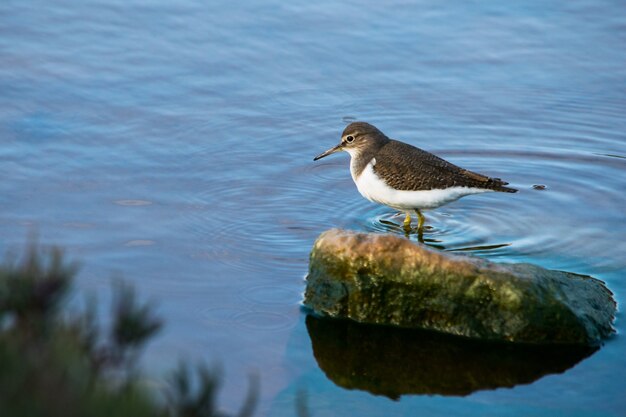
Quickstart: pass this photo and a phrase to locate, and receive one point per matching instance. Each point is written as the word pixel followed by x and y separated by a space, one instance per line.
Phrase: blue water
pixel 172 143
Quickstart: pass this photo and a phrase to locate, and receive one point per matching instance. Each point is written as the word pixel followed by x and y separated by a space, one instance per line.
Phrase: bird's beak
pixel 328 152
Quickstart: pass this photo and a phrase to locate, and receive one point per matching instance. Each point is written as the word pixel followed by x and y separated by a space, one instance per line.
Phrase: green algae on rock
pixel 386 279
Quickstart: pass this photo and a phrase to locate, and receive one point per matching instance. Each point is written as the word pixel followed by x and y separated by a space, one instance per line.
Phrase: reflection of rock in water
pixel 394 361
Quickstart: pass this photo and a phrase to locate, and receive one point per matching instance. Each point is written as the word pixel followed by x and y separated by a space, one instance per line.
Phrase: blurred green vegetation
pixel 57 361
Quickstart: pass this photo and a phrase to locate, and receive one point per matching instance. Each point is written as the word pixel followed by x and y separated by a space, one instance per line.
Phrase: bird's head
pixel 356 137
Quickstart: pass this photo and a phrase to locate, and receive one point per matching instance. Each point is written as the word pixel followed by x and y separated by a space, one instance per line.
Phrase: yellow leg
pixel 407 221
pixel 407 225
pixel 420 220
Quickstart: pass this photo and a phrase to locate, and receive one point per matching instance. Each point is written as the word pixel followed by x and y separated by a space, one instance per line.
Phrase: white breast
pixel 375 189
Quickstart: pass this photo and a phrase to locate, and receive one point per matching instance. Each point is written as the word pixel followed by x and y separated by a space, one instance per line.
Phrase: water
pixel 173 144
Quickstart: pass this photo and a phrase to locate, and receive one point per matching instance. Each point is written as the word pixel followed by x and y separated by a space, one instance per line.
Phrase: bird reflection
pixel 435 243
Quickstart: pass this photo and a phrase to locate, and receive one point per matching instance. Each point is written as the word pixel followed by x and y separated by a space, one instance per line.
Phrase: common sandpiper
pixel 405 177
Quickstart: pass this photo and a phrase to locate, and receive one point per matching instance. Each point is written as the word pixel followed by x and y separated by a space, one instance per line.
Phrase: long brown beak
pixel 328 152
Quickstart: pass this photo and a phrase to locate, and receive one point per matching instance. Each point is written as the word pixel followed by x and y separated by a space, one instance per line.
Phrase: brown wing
pixel 405 167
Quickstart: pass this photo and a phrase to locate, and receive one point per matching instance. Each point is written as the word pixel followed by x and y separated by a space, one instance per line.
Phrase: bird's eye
pixel 349 138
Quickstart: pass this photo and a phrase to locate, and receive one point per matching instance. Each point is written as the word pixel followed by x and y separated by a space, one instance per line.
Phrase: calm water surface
pixel 173 142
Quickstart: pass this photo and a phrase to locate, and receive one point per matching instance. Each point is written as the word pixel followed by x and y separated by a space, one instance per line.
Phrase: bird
pixel 405 177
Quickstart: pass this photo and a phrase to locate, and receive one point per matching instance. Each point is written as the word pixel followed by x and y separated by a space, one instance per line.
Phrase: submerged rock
pixel 385 279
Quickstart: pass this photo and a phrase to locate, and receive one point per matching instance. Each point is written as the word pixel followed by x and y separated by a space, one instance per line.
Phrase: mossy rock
pixel 386 279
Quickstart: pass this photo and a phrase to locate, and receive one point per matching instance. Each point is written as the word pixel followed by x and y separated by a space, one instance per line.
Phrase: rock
pixel 386 279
